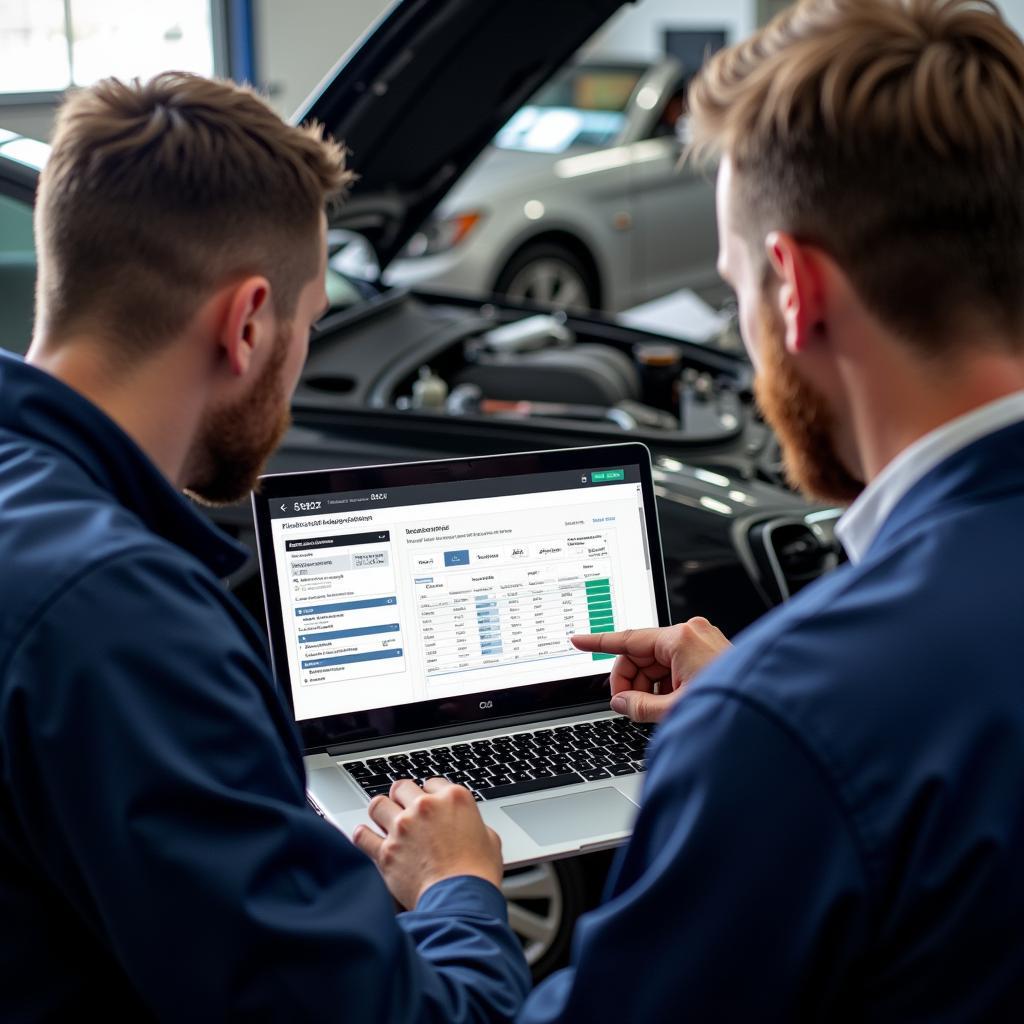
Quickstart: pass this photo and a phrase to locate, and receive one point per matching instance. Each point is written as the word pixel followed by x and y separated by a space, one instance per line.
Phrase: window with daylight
pixel 48 45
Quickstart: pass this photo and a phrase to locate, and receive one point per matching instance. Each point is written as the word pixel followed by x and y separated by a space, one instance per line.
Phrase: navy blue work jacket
pixel 157 855
pixel 832 825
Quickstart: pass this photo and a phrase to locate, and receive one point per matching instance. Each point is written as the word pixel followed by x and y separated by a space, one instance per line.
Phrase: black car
pixel 398 375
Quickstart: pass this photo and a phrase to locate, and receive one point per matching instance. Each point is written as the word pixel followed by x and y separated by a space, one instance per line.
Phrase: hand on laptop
pixel 651 659
pixel 429 834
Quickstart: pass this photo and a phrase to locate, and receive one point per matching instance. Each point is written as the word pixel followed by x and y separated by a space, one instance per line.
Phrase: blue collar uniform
pixel 157 855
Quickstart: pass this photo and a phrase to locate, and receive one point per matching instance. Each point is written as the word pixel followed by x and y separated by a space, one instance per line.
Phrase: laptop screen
pixel 454 583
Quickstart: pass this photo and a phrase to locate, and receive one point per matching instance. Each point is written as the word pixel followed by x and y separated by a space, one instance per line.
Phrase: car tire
pixel 544 901
pixel 548 274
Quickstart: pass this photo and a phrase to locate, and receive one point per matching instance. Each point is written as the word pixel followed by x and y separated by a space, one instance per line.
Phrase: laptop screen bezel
pixel 379 724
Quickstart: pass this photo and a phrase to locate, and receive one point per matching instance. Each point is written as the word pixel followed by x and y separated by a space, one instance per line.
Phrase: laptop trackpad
pixel 558 819
pixel 333 791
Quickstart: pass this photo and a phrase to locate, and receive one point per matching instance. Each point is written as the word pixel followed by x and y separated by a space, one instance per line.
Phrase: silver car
pixel 580 200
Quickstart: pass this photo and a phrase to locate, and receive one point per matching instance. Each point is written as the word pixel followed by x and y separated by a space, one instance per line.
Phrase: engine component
pixel 529 334
pixel 464 400
pixel 558 410
pixel 429 391
pixel 660 366
pixel 648 417
pixel 581 375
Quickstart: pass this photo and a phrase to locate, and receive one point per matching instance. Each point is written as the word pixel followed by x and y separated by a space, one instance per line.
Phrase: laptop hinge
pixel 486 725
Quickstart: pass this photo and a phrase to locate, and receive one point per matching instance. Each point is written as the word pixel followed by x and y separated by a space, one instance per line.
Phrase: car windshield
pixel 29 152
pixel 583 106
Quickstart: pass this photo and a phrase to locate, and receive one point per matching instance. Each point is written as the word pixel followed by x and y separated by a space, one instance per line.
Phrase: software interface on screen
pixel 427 591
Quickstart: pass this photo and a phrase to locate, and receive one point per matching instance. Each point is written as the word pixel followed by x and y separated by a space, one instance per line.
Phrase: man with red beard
pixel 832 826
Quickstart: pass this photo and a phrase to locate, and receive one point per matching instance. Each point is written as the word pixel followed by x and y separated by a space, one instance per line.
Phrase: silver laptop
pixel 419 618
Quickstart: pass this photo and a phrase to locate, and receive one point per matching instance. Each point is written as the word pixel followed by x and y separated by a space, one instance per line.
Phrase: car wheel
pixel 544 901
pixel 548 275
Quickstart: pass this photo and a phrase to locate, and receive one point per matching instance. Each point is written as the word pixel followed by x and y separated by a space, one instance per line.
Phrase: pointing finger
pixel 637 643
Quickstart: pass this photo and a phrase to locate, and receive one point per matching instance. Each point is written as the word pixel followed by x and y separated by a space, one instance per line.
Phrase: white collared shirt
pixel 861 522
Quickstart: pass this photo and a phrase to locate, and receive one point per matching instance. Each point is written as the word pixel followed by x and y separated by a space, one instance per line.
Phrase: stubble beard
pixel 235 441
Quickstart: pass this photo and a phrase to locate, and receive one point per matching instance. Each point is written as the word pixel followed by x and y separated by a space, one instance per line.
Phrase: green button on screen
pixel 603 476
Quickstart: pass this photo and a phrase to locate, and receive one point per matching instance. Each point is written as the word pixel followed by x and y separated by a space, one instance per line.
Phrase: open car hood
pixel 428 88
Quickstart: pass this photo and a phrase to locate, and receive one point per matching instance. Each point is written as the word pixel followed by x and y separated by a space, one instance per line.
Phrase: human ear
pixel 799 295
pixel 241 329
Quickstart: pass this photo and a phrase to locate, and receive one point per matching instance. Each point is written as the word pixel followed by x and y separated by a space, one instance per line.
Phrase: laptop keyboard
pixel 522 762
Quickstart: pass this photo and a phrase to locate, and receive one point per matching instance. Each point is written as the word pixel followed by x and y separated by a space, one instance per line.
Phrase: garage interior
pixel 526 261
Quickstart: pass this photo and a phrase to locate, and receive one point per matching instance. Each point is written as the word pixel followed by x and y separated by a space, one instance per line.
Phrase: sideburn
pixel 802 420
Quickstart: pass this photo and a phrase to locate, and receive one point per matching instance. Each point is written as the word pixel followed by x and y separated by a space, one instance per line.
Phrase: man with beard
pixel 832 825
pixel 157 856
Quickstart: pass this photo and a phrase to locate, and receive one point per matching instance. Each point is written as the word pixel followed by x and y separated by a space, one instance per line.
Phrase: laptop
pixel 419 618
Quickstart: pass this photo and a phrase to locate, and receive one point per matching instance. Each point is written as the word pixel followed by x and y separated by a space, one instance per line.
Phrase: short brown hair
pixel 891 134
pixel 155 193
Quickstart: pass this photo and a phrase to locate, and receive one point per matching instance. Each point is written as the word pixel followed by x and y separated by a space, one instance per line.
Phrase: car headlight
pixel 437 236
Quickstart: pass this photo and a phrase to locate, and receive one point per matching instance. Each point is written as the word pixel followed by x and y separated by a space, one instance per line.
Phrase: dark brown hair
pixel 891 134
pixel 156 193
